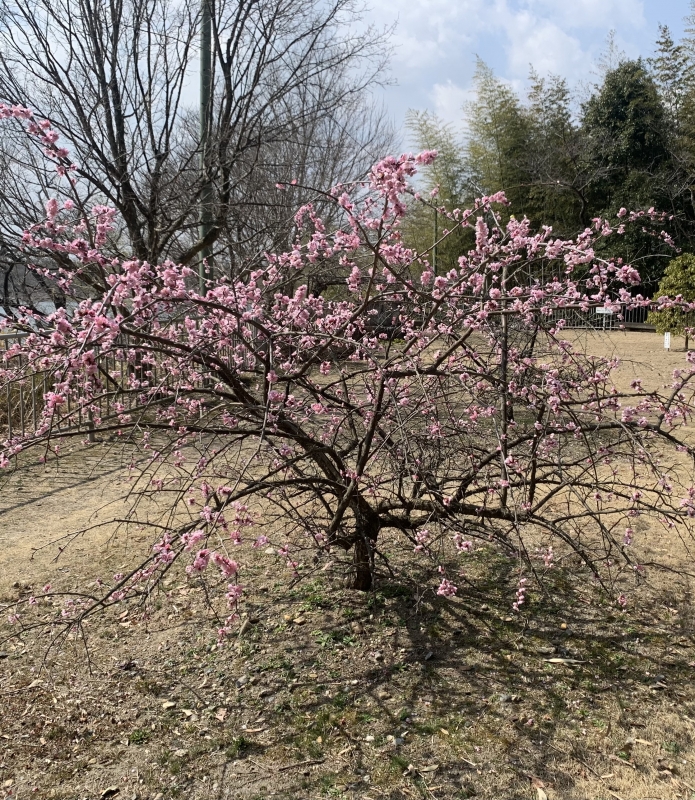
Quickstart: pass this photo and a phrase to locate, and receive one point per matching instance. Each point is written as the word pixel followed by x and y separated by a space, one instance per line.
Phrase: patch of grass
pixel 147 686
pixel 328 639
pixel 674 748
pixel 326 783
pixel 313 749
pixel 239 747
pixel 312 597
pixel 375 601
pixel 56 732
pixel 430 727
pixel 171 762
pixel 390 590
pixel 139 736
pixel 341 700
pixel 398 763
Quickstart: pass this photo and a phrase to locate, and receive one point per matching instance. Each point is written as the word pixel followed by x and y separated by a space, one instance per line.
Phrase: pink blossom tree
pixel 434 411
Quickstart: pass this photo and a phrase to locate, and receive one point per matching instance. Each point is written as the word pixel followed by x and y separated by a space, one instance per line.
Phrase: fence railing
pixel 602 319
pixel 22 400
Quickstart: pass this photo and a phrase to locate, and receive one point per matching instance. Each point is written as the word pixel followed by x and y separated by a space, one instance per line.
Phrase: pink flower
pixel 52 208
pixel 227 567
pixel 446 588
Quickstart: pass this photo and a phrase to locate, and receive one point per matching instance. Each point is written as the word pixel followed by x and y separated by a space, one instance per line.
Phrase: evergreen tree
pixel 557 161
pixel 628 138
pixel 678 279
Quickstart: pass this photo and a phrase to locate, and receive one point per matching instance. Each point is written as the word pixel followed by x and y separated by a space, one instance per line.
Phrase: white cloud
pixel 448 100
pixel 436 42
pixel 430 31
pixel 541 43
pixel 588 14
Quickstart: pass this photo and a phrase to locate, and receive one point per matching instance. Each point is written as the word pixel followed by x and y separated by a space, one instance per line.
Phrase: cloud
pixel 448 100
pixel 591 14
pixel 436 42
pixel 430 31
pixel 541 43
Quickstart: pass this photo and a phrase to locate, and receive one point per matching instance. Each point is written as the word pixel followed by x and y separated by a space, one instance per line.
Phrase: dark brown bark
pixel 363 562
pixel 363 553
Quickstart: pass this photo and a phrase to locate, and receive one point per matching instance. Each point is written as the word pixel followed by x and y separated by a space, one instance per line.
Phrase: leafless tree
pixel 118 79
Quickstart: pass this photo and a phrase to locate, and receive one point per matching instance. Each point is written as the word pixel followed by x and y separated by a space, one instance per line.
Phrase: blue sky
pixel 436 42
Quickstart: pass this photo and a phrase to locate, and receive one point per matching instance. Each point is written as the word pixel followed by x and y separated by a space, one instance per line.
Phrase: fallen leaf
pixel 220 714
pixel 540 794
pixel 431 768
pixel 621 761
pixel 110 791
pixel 563 661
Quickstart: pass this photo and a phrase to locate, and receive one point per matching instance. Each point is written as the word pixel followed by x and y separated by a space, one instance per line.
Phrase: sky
pixel 436 43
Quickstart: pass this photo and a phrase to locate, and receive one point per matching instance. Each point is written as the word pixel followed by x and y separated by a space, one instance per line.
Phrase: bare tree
pixel 290 98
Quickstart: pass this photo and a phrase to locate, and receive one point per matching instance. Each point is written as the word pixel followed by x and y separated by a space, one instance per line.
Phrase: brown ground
pixel 395 694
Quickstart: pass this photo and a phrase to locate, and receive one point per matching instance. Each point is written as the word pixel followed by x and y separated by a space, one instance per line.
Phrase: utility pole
pixel 434 249
pixel 205 215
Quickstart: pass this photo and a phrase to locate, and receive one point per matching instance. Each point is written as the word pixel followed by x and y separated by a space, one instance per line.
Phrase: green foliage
pixel 446 176
pixel 632 146
pixel 626 122
pixel 498 139
pixel 673 72
pixel 238 748
pixel 629 144
pixel 139 736
pixel 679 279
pixel 558 167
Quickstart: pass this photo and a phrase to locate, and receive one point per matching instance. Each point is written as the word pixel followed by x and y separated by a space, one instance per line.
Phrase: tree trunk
pixel 363 554
pixel 363 564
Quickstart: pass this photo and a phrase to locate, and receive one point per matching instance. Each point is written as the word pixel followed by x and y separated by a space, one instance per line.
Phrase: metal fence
pixel 602 319
pixel 22 400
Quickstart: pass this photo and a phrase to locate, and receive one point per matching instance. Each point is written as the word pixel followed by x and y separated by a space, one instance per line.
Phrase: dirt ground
pixel 330 694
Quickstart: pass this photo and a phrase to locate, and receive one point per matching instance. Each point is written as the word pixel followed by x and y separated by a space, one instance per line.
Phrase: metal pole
pixel 205 99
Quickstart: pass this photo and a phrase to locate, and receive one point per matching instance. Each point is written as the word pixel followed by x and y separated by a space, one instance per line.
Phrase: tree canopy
pixel 562 162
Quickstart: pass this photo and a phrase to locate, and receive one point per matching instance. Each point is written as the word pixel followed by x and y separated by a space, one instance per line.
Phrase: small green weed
pixel 239 746
pixel 139 736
